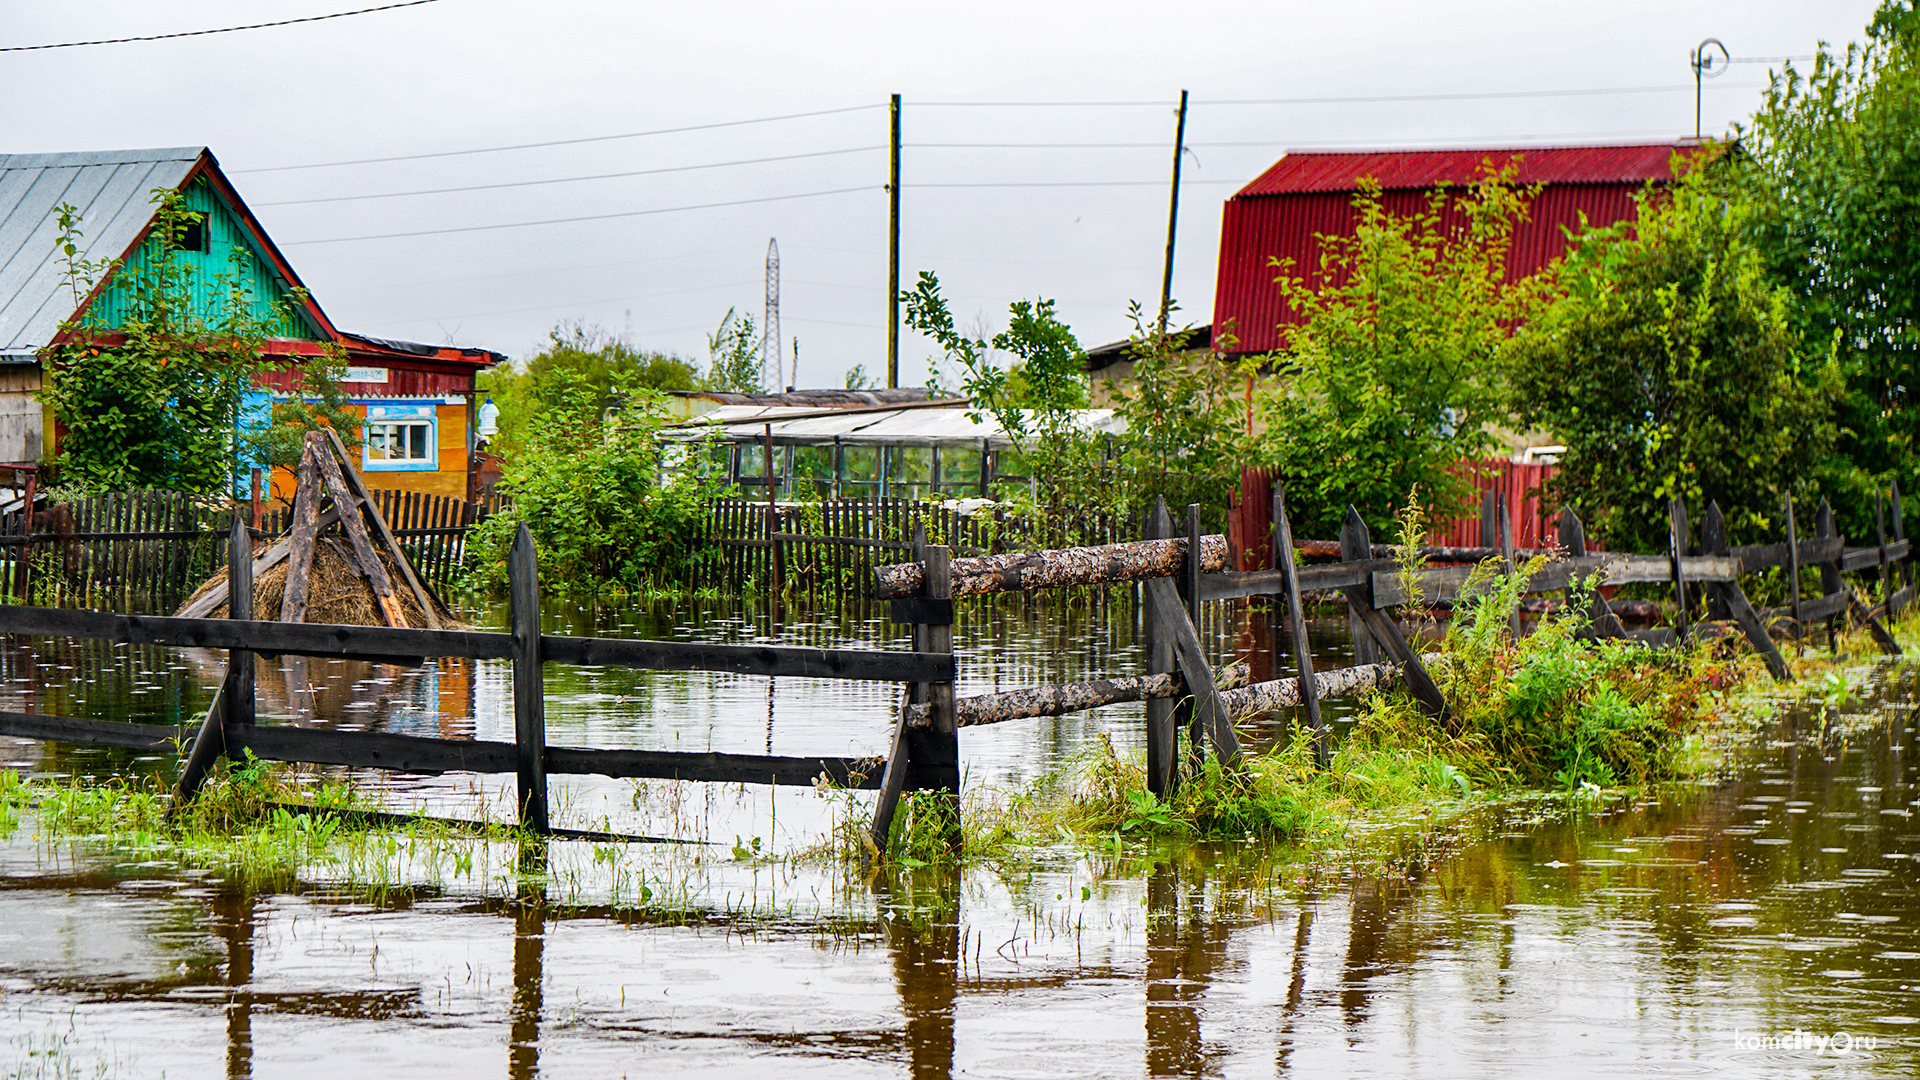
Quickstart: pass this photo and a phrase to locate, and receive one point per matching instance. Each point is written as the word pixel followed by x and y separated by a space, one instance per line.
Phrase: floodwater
pixel 1766 924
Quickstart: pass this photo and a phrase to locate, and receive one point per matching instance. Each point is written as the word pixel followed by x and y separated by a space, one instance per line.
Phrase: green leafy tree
pixel 316 404
pixel 734 361
pixel 1186 414
pixel 1671 367
pixel 1829 193
pixel 1391 378
pixel 588 483
pixel 153 402
pixel 1036 400
pixel 578 355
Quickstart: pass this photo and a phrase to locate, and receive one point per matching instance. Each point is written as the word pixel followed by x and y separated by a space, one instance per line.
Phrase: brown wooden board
pixel 150 737
pixel 1170 615
pixel 301 639
pixel 420 592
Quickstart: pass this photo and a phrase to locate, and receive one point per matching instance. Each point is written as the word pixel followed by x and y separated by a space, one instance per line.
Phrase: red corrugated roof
pixel 1299 173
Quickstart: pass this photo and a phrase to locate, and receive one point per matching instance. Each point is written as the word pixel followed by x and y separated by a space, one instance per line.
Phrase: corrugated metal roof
pixel 110 189
pixel 1423 169
pixel 894 427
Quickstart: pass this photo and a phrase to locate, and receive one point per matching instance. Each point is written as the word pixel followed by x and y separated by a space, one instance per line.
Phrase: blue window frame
pixel 400 438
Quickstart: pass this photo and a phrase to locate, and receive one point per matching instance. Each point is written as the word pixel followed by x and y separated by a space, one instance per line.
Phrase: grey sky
pixel 463 74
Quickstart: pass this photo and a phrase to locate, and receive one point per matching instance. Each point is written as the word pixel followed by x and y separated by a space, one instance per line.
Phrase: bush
pixel 589 486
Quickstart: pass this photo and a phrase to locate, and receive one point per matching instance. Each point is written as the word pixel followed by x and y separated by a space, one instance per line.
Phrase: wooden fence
pixel 831 547
pixel 149 550
pixel 229 730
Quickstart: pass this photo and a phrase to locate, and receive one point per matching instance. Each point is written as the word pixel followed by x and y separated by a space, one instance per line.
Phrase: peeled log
pixel 1285 693
pixel 1061 698
pixel 1104 565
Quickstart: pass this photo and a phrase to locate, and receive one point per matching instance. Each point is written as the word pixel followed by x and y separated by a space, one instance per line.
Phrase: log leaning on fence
pixel 1107 564
pixel 1058 699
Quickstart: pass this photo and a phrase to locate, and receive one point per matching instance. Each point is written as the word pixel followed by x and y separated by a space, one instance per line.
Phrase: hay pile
pixel 336 592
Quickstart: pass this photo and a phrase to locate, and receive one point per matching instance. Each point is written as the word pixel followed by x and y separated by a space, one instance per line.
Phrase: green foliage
pixel 153 403
pixel 317 404
pixel 1829 188
pixel 1670 367
pixel 734 360
pixel 577 354
pixel 858 379
pixel 1036 401
pixel 1186 416
pixel 588 483
pixel 1549 709
pixel 1391 379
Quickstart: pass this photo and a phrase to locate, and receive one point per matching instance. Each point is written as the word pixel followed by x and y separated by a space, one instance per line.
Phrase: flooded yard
pixel 1764 924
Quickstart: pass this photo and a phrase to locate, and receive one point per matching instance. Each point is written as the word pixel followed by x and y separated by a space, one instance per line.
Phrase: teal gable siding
pixel 230 254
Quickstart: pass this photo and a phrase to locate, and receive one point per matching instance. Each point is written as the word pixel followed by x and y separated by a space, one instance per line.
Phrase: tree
pixel 153 402
pixel 1670 365
pixel 1186 416
pixel 578 356
pixel 1829 190
pixel 734 361
pixel 317 403
pixel 1391 379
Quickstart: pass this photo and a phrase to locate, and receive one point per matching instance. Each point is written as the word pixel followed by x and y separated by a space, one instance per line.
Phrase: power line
pixel 586 217
pixel 558 142
pixel 1066 183
pixel 221 30
pixel 1373 98
pixel 571 179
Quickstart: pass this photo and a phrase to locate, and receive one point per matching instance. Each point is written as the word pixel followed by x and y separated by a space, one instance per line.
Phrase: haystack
pixel 339 564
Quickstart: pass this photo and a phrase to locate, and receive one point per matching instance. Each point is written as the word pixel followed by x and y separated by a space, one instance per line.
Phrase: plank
pixel 1162 734
pixel 353 523
pixel 372 749
pixel 1234 585
pixel 529 683
pixel 306 528
pixel 1282 542
pixel 1754 557
pixel 156 737
pixel 1862 558
pixel 1826 607
pixel 420 593
pixel 1059 699
pixel 300 639
pixel 1166 608
pixel 807 663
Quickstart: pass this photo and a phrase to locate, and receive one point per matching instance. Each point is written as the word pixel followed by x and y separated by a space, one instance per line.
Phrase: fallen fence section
pixel 228 730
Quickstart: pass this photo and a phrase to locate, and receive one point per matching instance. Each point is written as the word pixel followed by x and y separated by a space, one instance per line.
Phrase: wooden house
pixel 417 400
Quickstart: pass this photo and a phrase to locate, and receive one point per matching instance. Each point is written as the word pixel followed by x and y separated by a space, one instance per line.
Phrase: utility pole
pixel 1173 213
pixel 770 333
pixel 893 249
pixel 1705 66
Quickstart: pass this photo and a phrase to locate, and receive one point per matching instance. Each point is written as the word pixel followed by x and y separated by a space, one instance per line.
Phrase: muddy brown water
pixel 1766 924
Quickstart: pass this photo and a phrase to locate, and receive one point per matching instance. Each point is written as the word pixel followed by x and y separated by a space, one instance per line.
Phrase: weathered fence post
pixel 1900 533
pixel 1880 537
pixel 1728 598
pixel 1162 738
pixel 1830 580
pixel 1357 546
pixel 24 554
pixel 1601 621
pixel 1282 531
pixel 1678 533
pixel 233 701
pixel 1353 537
pixel 1186 714
pixel 1793 581
pixel 529 682
pixel 931 753
pixel 776 555
pixel 1506 557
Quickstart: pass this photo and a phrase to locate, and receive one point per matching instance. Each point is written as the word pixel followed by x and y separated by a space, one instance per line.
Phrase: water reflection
pixel 1628 937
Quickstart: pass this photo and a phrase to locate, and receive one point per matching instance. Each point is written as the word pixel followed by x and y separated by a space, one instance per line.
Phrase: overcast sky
pixel 1088 228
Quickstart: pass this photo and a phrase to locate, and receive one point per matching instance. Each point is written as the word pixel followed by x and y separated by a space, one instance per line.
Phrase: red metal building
pixel 1304 196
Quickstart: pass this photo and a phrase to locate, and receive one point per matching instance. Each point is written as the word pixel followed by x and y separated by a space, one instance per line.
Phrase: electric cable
pixel 559 142
pixel 220 30
pixel 584 217
pixel 570 179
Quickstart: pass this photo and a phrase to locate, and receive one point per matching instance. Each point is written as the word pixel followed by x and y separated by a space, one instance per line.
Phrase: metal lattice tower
pixel 770 341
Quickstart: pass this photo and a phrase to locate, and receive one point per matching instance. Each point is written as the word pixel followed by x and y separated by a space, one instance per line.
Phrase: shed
pixel 932 450
pixel 428 389
pixel 1284 212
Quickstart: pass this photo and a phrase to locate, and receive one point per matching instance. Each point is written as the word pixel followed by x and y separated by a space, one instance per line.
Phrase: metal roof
pixel 111 189
pixel 1297 173
pixel 891 427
